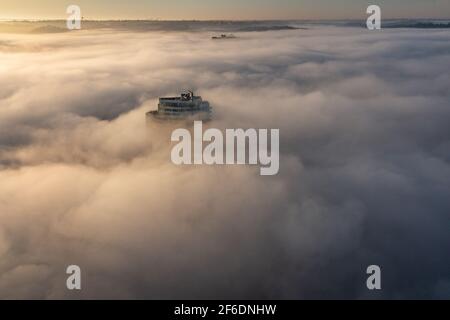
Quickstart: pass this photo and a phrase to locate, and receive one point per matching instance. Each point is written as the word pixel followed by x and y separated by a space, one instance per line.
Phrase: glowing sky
pixel 221 9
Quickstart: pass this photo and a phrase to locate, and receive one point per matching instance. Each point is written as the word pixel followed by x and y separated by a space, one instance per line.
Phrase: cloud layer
pixel 364 166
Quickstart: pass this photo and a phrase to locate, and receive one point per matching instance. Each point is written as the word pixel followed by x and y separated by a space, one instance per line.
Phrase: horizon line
pixel 206 20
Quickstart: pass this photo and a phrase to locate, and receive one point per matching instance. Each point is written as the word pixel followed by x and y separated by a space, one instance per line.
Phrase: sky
pixel 220 9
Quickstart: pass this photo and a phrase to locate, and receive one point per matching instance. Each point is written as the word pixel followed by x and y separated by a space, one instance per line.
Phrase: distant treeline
pixel 421 25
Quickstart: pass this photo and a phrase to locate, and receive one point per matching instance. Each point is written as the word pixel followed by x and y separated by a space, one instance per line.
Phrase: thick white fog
pixel 364 165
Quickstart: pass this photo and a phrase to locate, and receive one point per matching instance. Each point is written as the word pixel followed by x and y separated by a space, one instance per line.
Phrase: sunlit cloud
pixel 364 165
